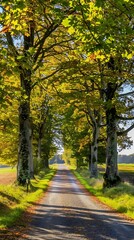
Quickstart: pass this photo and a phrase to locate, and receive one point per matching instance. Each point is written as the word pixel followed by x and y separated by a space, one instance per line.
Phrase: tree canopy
pixel 67 73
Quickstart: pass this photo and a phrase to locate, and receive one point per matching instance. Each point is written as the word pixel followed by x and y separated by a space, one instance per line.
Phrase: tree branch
pixel 89 120
pixel 125 131
pixel 41 42
pixel 126 94
pixel 11 44
pixel 125 118
pixel 44 78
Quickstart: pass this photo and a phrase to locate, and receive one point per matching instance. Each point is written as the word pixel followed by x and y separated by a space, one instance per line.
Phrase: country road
pixel 68 212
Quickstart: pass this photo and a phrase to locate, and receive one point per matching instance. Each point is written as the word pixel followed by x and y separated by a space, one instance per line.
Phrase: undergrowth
pixel 120 197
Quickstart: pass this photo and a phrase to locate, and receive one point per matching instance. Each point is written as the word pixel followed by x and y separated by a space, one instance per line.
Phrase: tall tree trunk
pixel 25 157
pixel 77 164
pixel 39 149
pixel 89 158
pixel 46 163
pixel 95 117
pixel 41 134
pixel 111 177
pixel 94 161
pixel 94 152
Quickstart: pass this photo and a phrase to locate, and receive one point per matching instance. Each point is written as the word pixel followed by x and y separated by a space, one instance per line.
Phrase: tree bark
pixel 111 176
pixel 46 163
pixel 25 157
pixel 39 149
pixel 94 153
pixel 40 133
pixel 96 121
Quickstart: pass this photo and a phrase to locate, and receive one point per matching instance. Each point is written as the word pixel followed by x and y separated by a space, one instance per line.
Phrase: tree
pixel 44 124
pixel 30 28
pixel 107 39
pixel 80 101
pixel 9 96
pixel 81 86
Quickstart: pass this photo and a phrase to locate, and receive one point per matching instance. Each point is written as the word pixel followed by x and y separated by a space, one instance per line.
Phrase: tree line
pixel 66 75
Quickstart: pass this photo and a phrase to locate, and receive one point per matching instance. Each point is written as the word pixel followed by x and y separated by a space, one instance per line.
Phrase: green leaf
pixel 66 22
pixel 20 57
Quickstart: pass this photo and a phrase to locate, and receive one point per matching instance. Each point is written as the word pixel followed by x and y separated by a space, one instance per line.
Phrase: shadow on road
pixel 68 212
pixel 77 223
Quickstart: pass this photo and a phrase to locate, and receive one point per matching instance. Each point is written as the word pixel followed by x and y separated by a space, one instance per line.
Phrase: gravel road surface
pixel 68 212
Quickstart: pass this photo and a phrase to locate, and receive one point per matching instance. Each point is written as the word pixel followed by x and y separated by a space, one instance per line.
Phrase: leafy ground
pixel 15 200
pixel 120 198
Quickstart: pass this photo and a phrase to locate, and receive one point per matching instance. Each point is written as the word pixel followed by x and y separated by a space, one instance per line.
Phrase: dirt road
pixel 68 212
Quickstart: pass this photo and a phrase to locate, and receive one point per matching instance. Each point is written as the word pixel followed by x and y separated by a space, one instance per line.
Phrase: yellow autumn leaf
pixel 129 56
pixel 7 7
pixel 71 30
pixel 82 2
pixel 14 22
pixel 65 22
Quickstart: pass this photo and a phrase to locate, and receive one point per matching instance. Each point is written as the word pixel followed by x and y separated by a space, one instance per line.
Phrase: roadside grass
pixel 7 170
pixel 14 199
pixel 120 198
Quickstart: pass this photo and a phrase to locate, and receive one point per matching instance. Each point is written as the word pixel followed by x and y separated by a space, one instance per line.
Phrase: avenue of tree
pixel 66 77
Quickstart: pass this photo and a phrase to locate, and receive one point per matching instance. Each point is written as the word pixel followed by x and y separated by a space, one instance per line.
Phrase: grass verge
pixel 14 200
pixel 7 170
pixel 120 198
